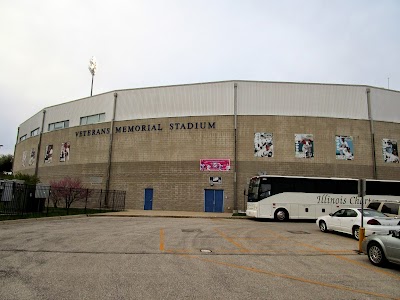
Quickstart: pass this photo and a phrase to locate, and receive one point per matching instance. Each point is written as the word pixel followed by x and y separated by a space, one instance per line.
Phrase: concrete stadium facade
pixel 180 146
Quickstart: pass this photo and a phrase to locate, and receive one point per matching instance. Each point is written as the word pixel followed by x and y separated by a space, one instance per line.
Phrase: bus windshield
pixel 253 190
pixel 259 189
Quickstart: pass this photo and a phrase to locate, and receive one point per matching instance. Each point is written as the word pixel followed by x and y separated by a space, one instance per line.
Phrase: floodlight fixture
pixel 92 69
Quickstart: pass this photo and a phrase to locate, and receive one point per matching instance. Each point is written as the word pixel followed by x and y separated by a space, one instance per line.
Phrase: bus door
pixel 213 200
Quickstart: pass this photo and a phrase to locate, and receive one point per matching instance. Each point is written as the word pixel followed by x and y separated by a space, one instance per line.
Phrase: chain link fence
pixel 18 200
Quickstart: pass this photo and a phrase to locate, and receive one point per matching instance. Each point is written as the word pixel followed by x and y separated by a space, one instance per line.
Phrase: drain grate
pixel 299 232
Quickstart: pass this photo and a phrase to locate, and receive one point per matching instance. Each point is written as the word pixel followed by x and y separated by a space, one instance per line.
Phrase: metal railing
pixel 24 200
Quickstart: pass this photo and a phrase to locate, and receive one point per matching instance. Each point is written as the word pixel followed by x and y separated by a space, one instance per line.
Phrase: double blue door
pixel 148 199
pixel 214 200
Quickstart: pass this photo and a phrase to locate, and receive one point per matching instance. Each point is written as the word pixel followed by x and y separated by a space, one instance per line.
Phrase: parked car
pixel 391 208
pixel 348 220
pixel 382 248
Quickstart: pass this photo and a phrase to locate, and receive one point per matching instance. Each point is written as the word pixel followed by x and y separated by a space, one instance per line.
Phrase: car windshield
pixel 372 213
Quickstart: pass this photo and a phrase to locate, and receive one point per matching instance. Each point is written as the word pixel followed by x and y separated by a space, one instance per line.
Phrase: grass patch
pixel 239 214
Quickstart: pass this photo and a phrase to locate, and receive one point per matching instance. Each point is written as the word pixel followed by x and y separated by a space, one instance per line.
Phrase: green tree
pixel 29 179
pixel 6 163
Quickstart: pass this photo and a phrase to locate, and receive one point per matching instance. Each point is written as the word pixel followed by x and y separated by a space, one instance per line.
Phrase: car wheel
pixel 375 254
pixel 322 226
pixel 281 215
pixel 356 232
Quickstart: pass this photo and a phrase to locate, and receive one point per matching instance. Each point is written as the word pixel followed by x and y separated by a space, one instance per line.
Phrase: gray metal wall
pixel 213 99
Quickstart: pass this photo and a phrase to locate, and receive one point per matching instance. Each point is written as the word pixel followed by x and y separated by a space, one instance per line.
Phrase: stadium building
pixel 194 147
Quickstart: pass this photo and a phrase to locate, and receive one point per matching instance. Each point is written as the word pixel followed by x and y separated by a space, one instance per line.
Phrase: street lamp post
pixel 92 69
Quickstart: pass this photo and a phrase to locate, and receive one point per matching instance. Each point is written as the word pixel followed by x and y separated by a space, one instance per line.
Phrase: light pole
pixel 92 69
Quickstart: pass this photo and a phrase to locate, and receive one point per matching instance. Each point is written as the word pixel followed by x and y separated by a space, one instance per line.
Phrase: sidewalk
pixel 167 214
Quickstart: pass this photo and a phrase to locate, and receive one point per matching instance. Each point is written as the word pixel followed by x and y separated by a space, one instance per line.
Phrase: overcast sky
pixel 46 47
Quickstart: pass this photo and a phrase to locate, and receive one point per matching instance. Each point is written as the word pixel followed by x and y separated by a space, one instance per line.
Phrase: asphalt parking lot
pixel 185 258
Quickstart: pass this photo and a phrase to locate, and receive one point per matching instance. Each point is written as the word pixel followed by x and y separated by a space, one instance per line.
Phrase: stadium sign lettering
pixel 146 128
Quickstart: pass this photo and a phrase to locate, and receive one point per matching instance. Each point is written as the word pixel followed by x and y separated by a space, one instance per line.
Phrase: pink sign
pixel 215 164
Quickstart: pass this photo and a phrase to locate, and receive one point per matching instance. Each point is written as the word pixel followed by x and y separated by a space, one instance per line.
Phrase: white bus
pixel 292 197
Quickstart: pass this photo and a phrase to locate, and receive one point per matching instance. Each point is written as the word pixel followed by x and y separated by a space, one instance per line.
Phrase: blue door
pixel 219 201
pixel 213 200
pixel 148 199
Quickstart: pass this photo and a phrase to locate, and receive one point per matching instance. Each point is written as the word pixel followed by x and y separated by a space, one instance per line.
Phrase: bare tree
pixel 68 189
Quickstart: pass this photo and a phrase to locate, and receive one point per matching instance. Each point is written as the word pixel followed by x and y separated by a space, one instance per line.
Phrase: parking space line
pixel 367 266
pixel 300 279
pixel 162 247
pixel 241 249
pixel 370 267
pixel 230 240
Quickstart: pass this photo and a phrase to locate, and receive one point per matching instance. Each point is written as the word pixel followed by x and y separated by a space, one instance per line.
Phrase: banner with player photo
pixel 32 158
pixel 304 145
pixel 48 156
pixel 263 145
pixel 24 158
pixel 390 151
pixel 344 147
pixel 64 155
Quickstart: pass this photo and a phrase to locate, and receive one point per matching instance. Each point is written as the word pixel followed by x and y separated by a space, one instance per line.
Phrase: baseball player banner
pixel 32 158
pixel 24 158
pixel 64 155
pixel 344 147
pixel 304 145
pixel 390 151
pixel 48 156
pixel 215 165
pixel 263 145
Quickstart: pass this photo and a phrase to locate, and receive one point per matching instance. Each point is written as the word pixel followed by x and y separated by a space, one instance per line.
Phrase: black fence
pixel 21 200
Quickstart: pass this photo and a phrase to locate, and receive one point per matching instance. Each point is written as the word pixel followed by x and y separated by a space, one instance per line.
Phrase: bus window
pixel 265 190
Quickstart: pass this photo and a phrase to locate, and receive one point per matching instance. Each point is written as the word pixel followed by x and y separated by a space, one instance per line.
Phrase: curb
pixel 168 216
pixel 42 219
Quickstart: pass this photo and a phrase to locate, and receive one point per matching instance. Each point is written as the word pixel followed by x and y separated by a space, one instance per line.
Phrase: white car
pixel 348 220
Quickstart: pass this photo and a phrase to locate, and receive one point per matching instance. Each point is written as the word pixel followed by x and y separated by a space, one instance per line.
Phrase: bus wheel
pixel 281 215
pixel 322 226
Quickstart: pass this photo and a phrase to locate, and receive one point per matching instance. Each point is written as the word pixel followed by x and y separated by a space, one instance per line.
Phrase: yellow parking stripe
pixel 230 240
pixel 162 240
pixel 334 286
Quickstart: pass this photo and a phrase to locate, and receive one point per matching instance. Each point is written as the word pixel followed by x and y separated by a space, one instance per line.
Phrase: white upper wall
pixel 176 101
pixel 74 110
pixel 302 99
pixel 385 105
pixel 217 98
pixel 31 124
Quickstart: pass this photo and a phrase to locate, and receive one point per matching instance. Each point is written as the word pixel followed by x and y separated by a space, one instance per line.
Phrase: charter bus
pixel 291 197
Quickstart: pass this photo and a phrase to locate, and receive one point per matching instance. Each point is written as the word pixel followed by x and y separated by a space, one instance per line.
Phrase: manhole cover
pixel 299 232
pixel 191 230
pixel 205 251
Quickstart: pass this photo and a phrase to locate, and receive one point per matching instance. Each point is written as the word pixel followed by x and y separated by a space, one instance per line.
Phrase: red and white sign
pixel 215 165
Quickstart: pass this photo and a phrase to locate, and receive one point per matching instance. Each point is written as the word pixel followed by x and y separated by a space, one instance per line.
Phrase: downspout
pixel 235 200
pixel 372 131
pixel 39 144
pixel 15 150
pixel 110 148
